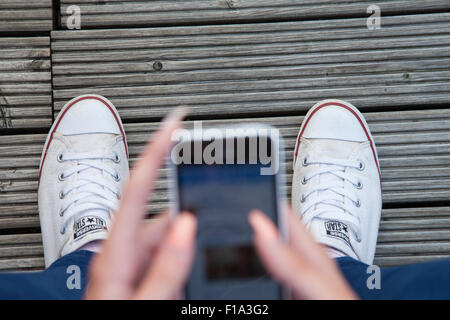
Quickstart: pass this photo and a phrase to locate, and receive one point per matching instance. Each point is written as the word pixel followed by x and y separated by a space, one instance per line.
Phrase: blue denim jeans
pixel 417 281
pixel 429 280
pixel 59 281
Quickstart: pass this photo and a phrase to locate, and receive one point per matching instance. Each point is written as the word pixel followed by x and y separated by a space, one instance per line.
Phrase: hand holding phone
pixel 245 175
pixel 153 260
pixel 302 265
pixel 144 260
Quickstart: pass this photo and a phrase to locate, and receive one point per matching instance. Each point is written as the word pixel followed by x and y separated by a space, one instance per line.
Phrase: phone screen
pixel 226 265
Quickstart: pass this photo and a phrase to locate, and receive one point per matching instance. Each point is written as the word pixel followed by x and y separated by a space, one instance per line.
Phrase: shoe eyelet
pixel 116 158
pixel 358 203
pixel 60 157
pixel 359 185
pixel 61 213
pixel 302 199
pixel 116 177
pixel 305 162
pixel 61 195
pixel 304 181
pixel 61 177
pixel 361 166
pixel 62 231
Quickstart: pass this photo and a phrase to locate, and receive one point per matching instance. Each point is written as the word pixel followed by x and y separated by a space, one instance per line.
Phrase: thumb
pixel 172 263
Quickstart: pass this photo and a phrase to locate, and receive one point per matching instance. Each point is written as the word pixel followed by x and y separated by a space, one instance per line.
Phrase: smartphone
pixel 220 175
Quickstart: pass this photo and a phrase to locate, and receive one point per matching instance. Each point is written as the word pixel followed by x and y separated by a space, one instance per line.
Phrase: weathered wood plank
pixel 25 82
pixel 257 68
pixel 22 264
pixel 30 15
pixel 96 13
pixel 407 259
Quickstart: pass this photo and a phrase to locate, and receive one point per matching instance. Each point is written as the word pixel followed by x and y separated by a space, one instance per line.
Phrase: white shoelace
pixel 88 192
pixel 333 174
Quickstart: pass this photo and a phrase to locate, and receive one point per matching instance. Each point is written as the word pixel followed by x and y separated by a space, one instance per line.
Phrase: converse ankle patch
pixel 88 224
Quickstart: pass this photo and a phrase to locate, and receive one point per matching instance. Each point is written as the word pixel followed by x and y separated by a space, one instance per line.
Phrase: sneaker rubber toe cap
pixel 335 122
pixel 89 115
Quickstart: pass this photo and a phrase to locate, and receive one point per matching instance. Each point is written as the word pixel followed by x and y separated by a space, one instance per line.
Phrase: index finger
pixel 142 178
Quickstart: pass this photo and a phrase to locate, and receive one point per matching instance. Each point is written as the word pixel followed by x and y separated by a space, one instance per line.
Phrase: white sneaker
pixel 84 161
pixel 336 185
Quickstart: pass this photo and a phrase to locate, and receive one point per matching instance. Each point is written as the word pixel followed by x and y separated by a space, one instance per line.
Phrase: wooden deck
pixel 26 15
pixel 25 82
pixel 235 61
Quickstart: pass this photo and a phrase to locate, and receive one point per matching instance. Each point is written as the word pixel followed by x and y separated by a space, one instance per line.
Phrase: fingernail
pixel 263 227
pixel 183 232
pixel 175 116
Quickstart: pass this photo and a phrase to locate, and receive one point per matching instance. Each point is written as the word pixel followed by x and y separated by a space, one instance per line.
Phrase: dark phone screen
pixel 221 196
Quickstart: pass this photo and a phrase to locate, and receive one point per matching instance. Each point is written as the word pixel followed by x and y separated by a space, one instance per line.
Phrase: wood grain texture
pixel 25 83
pixel 26 15
pixel 258 69
pixel 114 13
